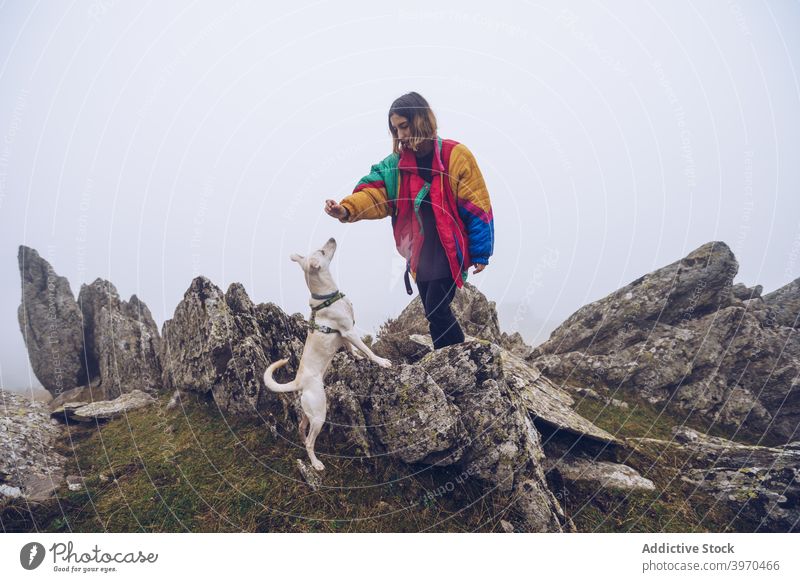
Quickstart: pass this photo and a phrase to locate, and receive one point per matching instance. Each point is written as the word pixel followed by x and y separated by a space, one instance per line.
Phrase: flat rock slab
pixel 603 473
pixel 547 401
pixel 107 409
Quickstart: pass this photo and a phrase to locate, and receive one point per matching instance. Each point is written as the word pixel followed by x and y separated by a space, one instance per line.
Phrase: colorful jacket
pixel 458 194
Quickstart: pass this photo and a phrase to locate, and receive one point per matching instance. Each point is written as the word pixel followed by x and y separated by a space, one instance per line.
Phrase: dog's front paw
pixel 318 465
pixel 383 363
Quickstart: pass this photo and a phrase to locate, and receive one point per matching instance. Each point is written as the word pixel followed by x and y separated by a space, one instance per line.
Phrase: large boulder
pixel 680 336
pixel 122 341
pixel 219 344
pixel 472 405
pixel 689 288
pixel 95 348
pixel 503 449
pixel 51 324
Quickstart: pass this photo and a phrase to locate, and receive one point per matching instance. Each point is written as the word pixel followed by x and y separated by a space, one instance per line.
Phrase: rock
pixel 760 485
pixel 174 401
pixel 503 449
pixel 744 293
pixel 105 410
pixel 43 487
pixel 681 336
pixel 686 289
pixel 599 474
pixel 66 411
pixel 122 342
pixel 84 394
pixel 9 491
pixel 783 306
pixel 475 313
pixel 51 324
pixel 547 402
pixel 101 345
pixel 515 344
pixel 74 483
pixel 220 344
pixel 310 475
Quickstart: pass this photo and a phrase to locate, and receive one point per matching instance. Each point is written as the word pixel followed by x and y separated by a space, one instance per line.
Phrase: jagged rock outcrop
pixel 122 342
pixel 760 485
pixel 456 406
pixel 95 348
pixel 494 408
pixel 680 335
pixel 51 324
pixel 783 306
pixel 504 449
pixel 220 344
pixel 548 404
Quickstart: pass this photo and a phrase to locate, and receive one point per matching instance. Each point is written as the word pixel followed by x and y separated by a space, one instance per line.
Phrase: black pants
pixel 436 296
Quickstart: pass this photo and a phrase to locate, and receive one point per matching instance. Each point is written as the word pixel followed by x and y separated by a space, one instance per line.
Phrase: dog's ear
pixel 295 257
pixel 313 263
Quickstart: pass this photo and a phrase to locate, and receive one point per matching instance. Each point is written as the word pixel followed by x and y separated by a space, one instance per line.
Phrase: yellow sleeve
pixel 369 199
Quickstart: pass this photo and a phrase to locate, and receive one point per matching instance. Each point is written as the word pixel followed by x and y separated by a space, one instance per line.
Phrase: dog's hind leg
pixel 314 403
pixel 303 426
pixel 316 426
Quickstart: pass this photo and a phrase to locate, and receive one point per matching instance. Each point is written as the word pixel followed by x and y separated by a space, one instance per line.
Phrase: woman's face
pixel 402 128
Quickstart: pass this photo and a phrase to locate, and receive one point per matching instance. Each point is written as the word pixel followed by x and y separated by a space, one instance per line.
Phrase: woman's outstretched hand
pixel 336 210
pixel 478 267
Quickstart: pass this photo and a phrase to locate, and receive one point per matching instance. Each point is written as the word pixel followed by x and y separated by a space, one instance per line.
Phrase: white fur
pixel 320 347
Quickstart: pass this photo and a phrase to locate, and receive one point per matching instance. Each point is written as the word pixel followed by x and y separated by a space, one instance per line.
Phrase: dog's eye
pixel 323 253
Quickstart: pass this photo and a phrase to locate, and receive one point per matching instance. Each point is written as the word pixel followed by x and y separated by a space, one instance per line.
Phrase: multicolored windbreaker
pixel 458 194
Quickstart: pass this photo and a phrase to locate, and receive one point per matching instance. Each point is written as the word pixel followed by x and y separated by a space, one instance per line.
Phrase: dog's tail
pixel 277 386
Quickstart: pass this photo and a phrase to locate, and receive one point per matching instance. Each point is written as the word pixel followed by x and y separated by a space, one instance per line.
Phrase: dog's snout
pixel 332 241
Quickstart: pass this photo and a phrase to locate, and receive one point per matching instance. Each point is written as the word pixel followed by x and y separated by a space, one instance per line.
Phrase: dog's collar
pixel 326 296
pixel 329 299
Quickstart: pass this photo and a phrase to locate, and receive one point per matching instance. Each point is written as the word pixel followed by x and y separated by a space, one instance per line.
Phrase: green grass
pixel 193 469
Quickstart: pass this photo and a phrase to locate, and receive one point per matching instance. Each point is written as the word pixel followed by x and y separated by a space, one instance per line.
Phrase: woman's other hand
pixel 478 267
pixel 336 210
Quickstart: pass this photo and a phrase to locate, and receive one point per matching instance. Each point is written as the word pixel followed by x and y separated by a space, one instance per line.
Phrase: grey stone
pixel 51 324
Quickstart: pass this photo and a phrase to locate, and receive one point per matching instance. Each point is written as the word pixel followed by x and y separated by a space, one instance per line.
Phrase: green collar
pixel 330 299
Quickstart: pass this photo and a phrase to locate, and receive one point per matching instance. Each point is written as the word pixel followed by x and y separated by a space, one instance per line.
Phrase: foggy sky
pixel 149 143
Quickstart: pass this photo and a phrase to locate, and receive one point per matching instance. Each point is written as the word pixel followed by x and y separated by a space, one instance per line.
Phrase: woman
pixel 441 213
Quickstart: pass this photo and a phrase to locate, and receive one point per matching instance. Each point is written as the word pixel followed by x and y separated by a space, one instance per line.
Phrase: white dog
pixel 330 328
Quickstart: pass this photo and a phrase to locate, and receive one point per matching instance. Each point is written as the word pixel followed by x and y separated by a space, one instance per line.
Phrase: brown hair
pixel 416 110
